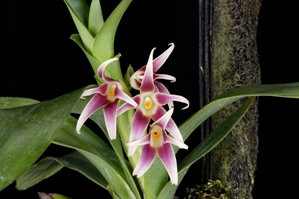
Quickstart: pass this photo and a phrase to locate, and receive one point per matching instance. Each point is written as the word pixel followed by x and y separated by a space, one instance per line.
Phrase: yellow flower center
pixel 156 135
pixel 148 103
pixel 112 90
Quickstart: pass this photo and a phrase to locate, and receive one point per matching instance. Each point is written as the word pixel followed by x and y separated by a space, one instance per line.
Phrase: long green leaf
pixel 91 145
pixel 169 190
pixel 290 90
pixel 214 138
pixel 38 172
pixel 206 146
pixel 117 182
pixel 26 132
pixel 87 141
pixel 98 118
pixel 103 47
pixel 95 18
pixel 93 61
pixel 154 179
pixel 59 196
pixel 10 102
pixel 51 165
pixel 79 11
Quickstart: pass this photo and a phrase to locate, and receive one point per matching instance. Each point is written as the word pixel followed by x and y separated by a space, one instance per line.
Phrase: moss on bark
pixel 234 63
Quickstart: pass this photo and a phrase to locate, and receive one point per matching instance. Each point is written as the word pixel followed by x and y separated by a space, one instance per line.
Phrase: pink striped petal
pixel 159 61
pixel 123 96
pixel 163 89
pixel 173 129
pixel 110 118
pixel 167 156
pixel 164 77
pixel 96 102
pixel 145 140
pixel 139 126
pixel 145 161
pixel 163 121
pixel 138 76
pixel 123 108
pixel 126 106
pixel 164 98
pixel 160 111
pixel 170 140
pixel 147 84
pixel 100 89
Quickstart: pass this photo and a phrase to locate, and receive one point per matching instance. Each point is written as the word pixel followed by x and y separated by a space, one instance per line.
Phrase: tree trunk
pixel 234 63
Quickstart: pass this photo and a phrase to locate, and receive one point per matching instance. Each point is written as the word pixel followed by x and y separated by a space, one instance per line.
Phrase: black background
pixel 39 61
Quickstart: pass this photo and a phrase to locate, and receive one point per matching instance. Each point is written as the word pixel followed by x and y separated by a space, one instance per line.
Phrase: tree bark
pixel 234 63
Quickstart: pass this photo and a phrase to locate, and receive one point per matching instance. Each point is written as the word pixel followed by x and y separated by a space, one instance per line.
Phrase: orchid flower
pixel 137 77
pixel 150 102
pixel 158 142
pixel 107 95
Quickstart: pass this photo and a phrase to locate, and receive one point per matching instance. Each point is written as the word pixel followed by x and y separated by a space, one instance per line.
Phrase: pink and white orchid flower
pixel 137 77
pixel 107 95
pixel 150 106
pixel 158 142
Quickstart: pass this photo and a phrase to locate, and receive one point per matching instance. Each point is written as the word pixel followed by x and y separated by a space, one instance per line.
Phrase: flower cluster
pixel 150 113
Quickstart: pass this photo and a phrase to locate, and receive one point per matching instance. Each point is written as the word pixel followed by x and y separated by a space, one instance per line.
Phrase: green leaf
pixel 100 154
pixel 215 137
pixel 155 179
pixel 79 11
pixel 95 19
pixel 27 131
pixel 58 196
pixel 10 102
pixel 87 141
pixel 128 74
pixel 169 190
pixel 117 144
pixel 117 182
pixel 210 142
pixel 290 90
pixel 93 61
pixel 103 47
pixel 38 172
pixel 51 165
